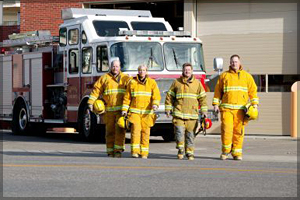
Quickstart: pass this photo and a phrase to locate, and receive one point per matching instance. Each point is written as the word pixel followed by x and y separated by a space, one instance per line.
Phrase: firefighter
pixel 183 100
pixel 232 92
pixel 111 88
pixel 141 99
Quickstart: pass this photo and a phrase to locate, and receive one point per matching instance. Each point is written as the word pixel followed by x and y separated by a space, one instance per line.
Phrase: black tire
pixel 20 122
pixel 88 128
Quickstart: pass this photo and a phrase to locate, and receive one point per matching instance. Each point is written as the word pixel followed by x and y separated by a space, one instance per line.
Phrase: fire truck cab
pixel 48 79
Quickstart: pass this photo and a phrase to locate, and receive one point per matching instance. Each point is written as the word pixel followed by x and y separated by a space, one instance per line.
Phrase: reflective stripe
pixel 114 91
pixel 93 98
pixel 168 107
pixel 232 106
pixel 139 111
pixel 227 146
pixel 236 151
pixel 180 146
pixel 135 145
pixel 125 107
pixel 145 149
pixel 185 115
pixel 255 100
pixel 119 147
pixel 186 95
pixel 171 93
pixel 204 108
pixel 215 100
pixel 156 102
pixel 143 93
pixel 235 88
pixel 190 152
pixel 202 94
pixel 115 108
pixel 109 149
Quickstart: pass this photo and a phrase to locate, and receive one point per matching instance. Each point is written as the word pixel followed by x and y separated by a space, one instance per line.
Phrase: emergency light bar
pixel 155 33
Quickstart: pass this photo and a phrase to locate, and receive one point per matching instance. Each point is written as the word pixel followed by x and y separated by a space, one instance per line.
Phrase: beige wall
pixel 263 34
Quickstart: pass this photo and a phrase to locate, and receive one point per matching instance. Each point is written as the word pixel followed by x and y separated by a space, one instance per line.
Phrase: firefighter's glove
pixel 154 107
pixel 90 107
pixel 124 113
pixel 216 109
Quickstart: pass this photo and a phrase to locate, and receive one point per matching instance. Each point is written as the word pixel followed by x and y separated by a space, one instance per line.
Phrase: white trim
pixel 72 108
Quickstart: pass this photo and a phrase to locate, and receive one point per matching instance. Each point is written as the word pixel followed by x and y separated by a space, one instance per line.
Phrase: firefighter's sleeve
pixel 170 98
pixel 97 91
pixel 155 94
pixel 218 92
pixel 252 91
pixel 127 98
pixel 202 99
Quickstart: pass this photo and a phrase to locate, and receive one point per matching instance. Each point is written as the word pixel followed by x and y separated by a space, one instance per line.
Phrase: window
pixel 151 26
pixel 62 37
pixel 133 54
pixel 102 59
pixel 281 83
pixel 73 61
pixel 176 54
pixel 87 60
pixel 109 28
pixel 84 38
pixel 73 36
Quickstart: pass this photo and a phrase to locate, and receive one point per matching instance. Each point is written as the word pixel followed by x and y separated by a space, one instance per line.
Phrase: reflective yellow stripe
pixel 204 108
pixel 125 107
pixel 215 100
pixel 232 106
pixel 227 146
pixel 139 111
pixel 237 151
pixel 186 95
pixel 168 107
pixel 115 108
pixel 119 147
pixel 171 93
pixel 202 94
pixel 255 100
pixel 135 145
pixel 145 149
pixel 235 88
pixel 114 91
pixel 185 115
pixel 109 149
pixel 136 94
pixel 190 152
pixel 93 97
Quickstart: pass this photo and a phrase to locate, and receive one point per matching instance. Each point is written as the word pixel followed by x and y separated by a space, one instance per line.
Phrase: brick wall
pixel 7 30
pixel 44 15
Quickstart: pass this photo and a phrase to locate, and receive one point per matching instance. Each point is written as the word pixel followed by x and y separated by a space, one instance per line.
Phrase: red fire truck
pixel 47 80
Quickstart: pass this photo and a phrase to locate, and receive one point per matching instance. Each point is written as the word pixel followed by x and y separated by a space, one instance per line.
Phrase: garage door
pixel 265 36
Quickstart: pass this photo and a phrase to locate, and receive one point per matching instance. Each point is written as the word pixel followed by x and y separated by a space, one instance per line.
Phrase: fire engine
pixel 47 80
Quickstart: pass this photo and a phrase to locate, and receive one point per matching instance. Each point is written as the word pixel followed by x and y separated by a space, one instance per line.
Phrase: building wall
pixel 7 30
pixel 44 15
pixel 265 36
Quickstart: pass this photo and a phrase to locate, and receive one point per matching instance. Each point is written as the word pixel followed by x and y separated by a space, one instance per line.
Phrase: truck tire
pixel 87 124
pixel 20 122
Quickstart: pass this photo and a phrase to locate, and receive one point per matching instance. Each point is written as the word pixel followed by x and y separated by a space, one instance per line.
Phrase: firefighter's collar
pixel 187 80
pixel 142 81
pixel 235 72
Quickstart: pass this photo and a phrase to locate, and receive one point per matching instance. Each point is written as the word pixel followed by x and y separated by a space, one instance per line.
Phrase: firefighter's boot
pixel 135 155
pixel 118 154
pixel 224 156
pixel 239 158
pixel 191 157
pixel 180 154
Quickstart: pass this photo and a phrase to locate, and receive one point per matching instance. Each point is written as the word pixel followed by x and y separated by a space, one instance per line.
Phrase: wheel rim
pixel 23 119
pixel 87 121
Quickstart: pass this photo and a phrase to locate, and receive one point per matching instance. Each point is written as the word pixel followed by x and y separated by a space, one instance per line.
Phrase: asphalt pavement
pixel 61 165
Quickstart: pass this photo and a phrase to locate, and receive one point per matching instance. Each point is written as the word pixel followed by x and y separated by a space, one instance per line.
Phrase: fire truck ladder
pixel 33 38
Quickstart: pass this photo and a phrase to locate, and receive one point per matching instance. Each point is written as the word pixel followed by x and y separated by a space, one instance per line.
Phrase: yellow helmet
pixel 123 123
pixel 251 112
pixel 98 107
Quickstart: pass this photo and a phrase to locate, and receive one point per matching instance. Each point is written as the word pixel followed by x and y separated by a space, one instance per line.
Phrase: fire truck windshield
pixel 176 54
pixel 133 54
